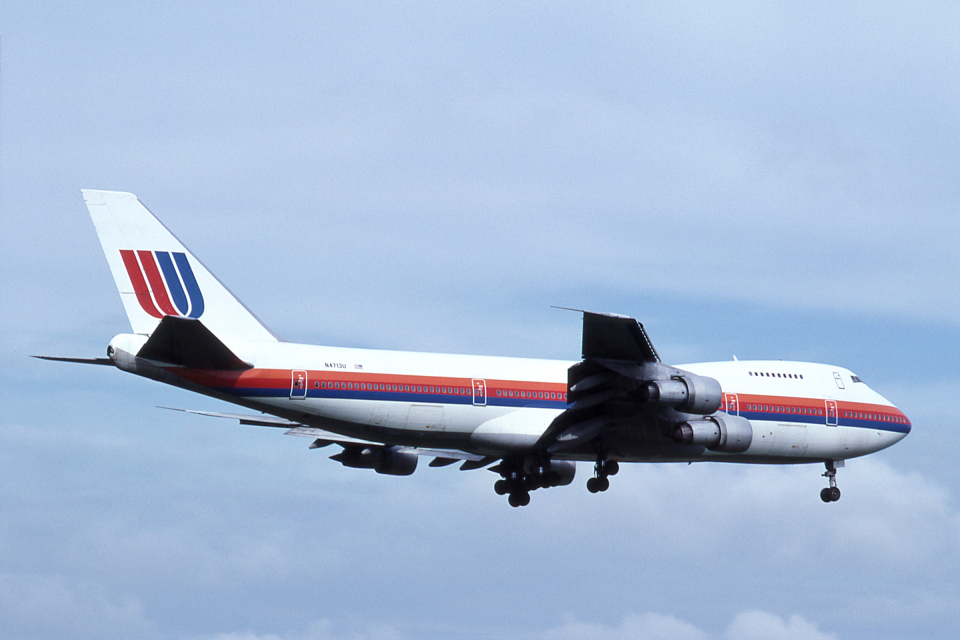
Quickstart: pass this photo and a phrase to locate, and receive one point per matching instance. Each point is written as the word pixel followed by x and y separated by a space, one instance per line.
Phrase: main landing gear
pixel 515 483
pixel 831 493
pixel 518 482
pixel 600 481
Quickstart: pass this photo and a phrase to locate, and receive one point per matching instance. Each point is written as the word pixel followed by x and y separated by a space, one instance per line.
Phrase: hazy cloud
pixel 51 606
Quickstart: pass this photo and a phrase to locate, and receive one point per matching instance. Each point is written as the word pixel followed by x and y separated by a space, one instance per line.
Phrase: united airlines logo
pixel 164 283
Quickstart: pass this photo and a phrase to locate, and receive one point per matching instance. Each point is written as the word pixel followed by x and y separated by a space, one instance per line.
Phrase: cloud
pixel 762 625
pixel 52 606
pixel 648 626
pixel 320 630
pixel 746 625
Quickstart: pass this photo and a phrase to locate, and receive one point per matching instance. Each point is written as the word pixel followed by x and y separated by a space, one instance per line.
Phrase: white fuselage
pixel 799 412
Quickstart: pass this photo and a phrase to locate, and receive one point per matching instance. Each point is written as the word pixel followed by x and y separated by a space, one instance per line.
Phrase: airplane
pixel 529 421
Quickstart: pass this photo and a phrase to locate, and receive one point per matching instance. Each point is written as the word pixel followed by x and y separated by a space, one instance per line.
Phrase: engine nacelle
pixel 396 463
pixel 565 469
pixel 688 393
pixel 729 434
pixel 385 460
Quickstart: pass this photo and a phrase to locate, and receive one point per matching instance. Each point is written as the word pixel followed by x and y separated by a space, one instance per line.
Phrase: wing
pixel 603 388
pixel 354 449
pixel 614 337
pixel 621 382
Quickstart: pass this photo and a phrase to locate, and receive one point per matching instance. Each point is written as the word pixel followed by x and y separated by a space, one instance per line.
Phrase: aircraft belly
pixel 424 417
pixel 789 440
pixel 850 442
pixel 764 436
pixel 515 430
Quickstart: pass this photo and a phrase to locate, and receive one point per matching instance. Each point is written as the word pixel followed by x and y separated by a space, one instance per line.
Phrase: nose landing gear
pixel 831 493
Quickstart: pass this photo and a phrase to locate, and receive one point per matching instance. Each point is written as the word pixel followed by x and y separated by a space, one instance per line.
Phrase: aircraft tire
pixel 519 499
pixel 501 487
pixel 830 494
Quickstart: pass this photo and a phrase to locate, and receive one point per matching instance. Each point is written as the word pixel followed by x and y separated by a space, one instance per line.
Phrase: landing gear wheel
pixel 519 499
pixel 501 487
pixel 597 484
pixel 831 493
pixel 602 470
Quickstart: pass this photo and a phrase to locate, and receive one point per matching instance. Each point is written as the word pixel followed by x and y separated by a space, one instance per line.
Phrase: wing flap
pixel 323 438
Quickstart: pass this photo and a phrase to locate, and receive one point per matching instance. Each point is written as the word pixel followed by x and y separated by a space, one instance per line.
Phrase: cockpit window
pixel 856 378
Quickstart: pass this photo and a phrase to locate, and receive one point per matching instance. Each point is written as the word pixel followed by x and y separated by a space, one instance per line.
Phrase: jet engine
pixel 729 434
pixel 688 393
pixel 560 472
pixel 386 460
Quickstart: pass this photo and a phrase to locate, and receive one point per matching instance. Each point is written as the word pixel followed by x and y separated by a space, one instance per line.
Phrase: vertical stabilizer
pixel 157 276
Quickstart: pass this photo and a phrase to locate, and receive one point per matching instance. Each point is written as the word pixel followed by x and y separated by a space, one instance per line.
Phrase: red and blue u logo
pixel 164 283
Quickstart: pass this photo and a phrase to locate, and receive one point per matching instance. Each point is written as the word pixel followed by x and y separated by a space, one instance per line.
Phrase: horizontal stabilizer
pixel 186 342
pixel 77 360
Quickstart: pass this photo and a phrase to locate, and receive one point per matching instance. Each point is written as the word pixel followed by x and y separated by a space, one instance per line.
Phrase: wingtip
pixel 593 313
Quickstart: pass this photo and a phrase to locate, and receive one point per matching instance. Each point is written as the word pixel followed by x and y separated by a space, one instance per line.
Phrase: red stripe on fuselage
pixel 776 407
pixel 280 379
pixel 781 405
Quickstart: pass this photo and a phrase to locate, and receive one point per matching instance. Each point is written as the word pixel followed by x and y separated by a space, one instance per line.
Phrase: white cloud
pixel 648 626
pixel 762 625
pixel 50 606
pixel 320 630
pixel 747 625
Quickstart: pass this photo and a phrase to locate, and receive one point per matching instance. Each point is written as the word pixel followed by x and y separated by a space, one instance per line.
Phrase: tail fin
pixel 157 276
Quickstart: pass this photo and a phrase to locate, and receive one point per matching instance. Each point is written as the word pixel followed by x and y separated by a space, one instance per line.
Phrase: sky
pixel 751 180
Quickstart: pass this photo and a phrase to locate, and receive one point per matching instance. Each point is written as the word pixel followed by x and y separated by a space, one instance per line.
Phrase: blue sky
pixel 751 179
